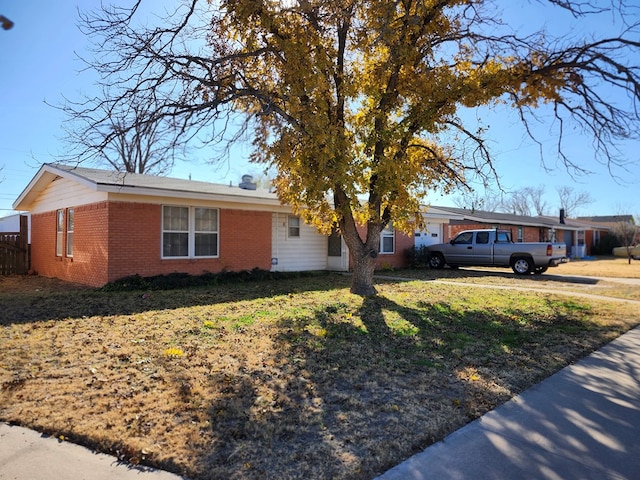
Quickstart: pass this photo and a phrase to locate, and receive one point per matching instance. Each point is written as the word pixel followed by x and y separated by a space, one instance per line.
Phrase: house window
pixel 59 232
pixel 175 232
pixel 387 240
pixel 70 221
pixel 294 226
pixel 520 235
pixel 189 232
pixel 206 232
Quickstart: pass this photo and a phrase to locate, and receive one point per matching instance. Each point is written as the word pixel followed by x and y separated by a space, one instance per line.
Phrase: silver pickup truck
pixel 494 248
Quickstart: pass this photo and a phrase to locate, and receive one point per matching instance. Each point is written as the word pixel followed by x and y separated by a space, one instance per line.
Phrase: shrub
pixel 606 245
pixel 417 257
pixel 176 280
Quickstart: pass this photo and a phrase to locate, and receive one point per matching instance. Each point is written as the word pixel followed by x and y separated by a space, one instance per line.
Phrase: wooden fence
pixel 14 250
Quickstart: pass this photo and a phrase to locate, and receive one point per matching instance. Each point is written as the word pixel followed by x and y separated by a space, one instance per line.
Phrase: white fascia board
pixel 435 212
pixel 181 194
pixel 38 183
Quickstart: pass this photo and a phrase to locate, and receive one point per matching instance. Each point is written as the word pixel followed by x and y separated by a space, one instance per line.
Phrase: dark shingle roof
pixel 526 221
pixel 609 219
pixel 502 218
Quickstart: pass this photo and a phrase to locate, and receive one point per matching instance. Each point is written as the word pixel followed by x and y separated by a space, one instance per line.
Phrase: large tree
pixel 526 201
pixel 571 201
pixel 358 103
pixel 625 230
pixel 126 136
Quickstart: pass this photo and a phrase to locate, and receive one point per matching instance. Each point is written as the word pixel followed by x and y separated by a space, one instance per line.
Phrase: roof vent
pixel 247 183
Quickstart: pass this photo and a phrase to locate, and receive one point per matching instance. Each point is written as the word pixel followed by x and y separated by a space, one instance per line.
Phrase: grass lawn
pixel 283 379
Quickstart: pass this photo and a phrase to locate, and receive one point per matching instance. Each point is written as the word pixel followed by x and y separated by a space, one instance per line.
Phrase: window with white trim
pixel 387 240
pixel 520 235
pixel 293 226
pixel 70 222
pixel 59 232
pixel 206 232
pixel 189 232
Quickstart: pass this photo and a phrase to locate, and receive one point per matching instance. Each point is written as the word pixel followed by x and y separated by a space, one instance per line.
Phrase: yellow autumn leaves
pixel 361 98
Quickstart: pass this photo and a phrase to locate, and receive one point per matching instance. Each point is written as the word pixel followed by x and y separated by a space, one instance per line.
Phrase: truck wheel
pixel 436 260
pixel 522 266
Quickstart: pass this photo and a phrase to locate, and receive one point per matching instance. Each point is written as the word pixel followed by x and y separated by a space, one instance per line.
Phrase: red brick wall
pixel 43 244
pixel 245 239
pixel 90 249
pixel 398 259
pixel 117 239
pixel 135 242
pixel 89 261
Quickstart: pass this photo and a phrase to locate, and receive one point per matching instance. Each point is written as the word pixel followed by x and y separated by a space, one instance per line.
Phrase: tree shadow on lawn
pixel 342 389
pixel 37 306
pixel 351 398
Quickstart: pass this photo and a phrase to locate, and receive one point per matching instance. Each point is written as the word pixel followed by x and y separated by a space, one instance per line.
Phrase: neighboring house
pixel 580 237
pixel 611 221
pixel 11 224
pixel 93 226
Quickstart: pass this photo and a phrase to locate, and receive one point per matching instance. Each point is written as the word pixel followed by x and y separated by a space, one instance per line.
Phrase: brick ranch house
pixel 580 236
pixel 93 226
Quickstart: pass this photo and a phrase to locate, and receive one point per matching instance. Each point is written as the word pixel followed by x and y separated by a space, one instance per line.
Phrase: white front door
pixel 337 253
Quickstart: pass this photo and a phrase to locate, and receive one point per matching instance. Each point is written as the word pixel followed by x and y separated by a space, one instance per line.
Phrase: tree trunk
pixel 363 253
pixel 363 256
pixel 362 279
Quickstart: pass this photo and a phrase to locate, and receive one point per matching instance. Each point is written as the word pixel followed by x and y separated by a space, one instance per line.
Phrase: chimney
pixel 562 216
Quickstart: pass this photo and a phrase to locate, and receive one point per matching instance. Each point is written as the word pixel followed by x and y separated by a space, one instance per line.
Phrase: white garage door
pixel 430 236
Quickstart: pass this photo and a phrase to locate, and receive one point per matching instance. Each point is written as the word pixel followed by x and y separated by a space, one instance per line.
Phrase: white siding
pixel 63 193
pixel 307 252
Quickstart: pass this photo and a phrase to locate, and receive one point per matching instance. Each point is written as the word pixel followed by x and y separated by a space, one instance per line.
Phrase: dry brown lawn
pixel 290 378
pixel 600 267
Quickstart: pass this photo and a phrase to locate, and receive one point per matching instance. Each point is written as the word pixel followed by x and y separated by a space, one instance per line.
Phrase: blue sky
pixel 38 64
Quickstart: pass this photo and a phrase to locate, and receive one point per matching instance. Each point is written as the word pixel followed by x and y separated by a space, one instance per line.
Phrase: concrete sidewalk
pixel 29 455
pixel 581 423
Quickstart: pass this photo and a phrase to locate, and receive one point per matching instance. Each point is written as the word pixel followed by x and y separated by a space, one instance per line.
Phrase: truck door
pixel 461 249
pixel 481 252
pixel 502 249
